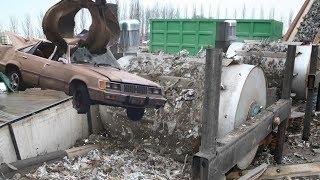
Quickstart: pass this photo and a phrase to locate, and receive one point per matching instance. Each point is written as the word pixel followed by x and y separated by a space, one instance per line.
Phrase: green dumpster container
pixel 253 29
pixel 173 35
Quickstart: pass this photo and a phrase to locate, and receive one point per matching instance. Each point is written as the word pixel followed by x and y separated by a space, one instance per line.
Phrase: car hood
pixel 122 76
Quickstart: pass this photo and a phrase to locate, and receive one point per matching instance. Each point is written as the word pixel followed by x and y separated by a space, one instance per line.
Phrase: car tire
pixel 81 98
pixel 135 114
pixel 16 80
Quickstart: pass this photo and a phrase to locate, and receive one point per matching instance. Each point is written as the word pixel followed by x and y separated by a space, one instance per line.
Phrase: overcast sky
pixel 19 8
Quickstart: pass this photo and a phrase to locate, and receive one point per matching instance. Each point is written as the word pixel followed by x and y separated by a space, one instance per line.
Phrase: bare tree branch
pixel 261 12
pixel 244 10
pixel 235 15
pixel 290 17
pixel 13 27
pixel 218 12
pixel 27 26
pixel 39 31
pixel 271 14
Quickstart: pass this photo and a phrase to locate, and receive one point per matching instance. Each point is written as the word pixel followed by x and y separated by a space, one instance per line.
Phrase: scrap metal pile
pixel 174 129
pixel 311 24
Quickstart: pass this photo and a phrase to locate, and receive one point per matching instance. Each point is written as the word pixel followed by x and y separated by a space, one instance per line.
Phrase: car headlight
pixel 154 90
pixel 115 86
pixel 103 85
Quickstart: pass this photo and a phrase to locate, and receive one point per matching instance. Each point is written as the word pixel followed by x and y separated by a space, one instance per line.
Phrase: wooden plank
pixel 81 151
pixel 288 172
pixel 293 171
pixel 255 173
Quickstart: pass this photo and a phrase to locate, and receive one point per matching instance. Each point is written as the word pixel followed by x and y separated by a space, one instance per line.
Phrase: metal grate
pixel 135 88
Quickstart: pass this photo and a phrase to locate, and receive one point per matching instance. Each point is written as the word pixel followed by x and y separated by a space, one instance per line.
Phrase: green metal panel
pixel 259 29
pixel 174 35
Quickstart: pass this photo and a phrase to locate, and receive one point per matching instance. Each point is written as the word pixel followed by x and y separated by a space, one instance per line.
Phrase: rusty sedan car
pixel 90 79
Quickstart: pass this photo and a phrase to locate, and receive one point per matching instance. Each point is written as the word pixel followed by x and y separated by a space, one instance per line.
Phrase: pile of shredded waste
pixel 113 163
pixel 173 129
pixel 310 25
pixel 273 67
pixel 265 46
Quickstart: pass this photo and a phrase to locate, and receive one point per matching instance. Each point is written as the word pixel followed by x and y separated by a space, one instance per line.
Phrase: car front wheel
pixel 15 80
pixel 135 114
pixel 81 99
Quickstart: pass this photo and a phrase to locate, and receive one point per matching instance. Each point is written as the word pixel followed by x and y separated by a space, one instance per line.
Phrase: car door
pixel 55 75
pixel 31 66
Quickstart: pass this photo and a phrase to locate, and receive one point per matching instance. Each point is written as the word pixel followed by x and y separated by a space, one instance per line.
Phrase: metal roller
pixel 273 67
pixel 242 97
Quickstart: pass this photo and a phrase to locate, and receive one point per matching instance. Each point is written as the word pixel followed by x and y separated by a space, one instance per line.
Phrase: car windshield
pixel 81 55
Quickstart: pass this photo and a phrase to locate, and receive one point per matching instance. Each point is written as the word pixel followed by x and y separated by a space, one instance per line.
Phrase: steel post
pixel 310 94
pixel 211 101
pixel 212 86
pixel 318 99
pixel 285 94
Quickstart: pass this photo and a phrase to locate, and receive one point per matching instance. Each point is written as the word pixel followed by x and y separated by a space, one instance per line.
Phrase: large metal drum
pixel 274 66
pixel 242 97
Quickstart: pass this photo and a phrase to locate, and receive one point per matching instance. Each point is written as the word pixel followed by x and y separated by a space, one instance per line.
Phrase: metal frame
pixel 310 94
pixel 218 156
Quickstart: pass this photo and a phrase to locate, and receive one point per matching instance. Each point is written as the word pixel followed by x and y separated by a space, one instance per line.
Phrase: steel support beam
pixel 285 94
pixel 318 99
pixel 211 99
pixel 310 94
pixel 211 103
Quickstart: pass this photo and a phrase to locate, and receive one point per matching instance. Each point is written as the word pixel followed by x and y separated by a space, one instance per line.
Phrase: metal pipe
pixel 211 101
pixel 285 94
pixel 310 94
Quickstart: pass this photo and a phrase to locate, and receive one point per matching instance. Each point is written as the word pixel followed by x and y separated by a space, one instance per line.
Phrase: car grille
pixel 135 88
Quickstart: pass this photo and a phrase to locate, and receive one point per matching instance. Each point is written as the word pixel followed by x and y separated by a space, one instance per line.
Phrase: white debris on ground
pixel 112 163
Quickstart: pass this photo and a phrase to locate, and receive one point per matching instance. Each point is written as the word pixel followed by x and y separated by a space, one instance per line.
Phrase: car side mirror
pixel 63 60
